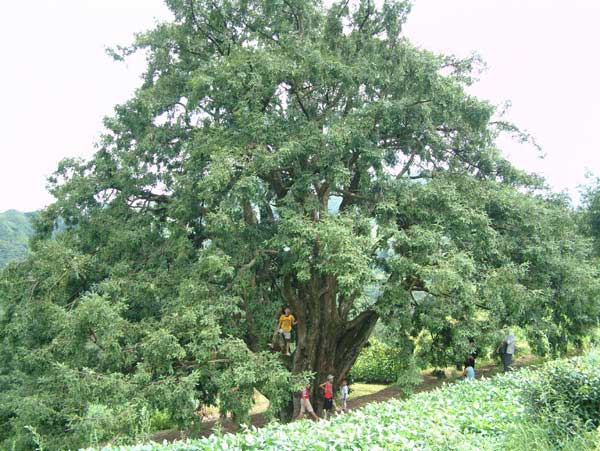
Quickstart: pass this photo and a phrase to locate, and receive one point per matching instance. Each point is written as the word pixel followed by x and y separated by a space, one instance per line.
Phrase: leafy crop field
pixel 481 415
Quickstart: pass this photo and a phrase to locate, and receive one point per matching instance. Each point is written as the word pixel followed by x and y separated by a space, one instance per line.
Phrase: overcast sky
pixel 57 83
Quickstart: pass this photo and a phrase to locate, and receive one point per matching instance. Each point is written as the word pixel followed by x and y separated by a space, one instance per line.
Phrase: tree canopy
pixel 278 152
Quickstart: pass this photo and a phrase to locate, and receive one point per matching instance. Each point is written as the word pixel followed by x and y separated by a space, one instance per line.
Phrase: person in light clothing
pixel 469 371
pixel 506 348
pixel 345 391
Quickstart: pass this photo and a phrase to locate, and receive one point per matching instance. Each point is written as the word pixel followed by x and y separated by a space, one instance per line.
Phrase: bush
pixel 161 420
pixel 530 435
pixel 379 363
pixel 566 396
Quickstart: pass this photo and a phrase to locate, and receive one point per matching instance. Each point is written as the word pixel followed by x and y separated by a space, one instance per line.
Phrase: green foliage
pixel 530 435
pixel 277 152
pixel 380 362
pixel 80 366
pixel 160 421
pixel 482 415
pixel 15 231
pixel 566 396
pixel 589 214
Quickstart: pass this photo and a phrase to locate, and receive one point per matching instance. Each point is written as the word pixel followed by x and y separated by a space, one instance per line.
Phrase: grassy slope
pixel 15 230
pixel 482 415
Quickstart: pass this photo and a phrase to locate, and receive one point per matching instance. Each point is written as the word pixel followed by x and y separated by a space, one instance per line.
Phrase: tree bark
pixel 327 343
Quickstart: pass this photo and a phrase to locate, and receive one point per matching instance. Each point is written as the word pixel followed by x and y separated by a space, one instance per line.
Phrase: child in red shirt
pixel 305 405
pixel 329 403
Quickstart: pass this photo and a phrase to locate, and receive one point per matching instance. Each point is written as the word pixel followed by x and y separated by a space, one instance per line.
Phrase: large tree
pixel 281 136
pixel 278 152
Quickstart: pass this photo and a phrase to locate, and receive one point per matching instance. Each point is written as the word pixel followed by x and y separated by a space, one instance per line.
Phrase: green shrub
pixel 380 363
pixel 530 435
pixel 161 420
pixel 566 395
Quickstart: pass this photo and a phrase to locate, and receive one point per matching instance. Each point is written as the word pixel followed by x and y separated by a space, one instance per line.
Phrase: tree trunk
pixel 327 341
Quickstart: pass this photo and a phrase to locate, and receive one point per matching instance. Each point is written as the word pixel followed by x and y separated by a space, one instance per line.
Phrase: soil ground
pixel 381 393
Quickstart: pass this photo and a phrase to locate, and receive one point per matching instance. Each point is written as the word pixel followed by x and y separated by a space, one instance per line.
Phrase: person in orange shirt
pixel 328 402
pixel 286 322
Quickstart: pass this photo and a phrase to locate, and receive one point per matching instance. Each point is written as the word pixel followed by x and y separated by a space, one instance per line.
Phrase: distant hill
pixel 15 231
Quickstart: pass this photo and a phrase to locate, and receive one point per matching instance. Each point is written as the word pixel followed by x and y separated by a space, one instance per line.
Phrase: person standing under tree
pixel 473 351
pixel 329 403
pixel 286 322
pixel 506 348
pixel 305 406
pixel 344 391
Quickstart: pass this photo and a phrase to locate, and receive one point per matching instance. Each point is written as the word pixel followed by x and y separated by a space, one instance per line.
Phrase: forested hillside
pixel 15 231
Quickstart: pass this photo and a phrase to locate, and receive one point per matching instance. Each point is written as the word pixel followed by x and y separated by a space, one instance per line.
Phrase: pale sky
pixel 57 83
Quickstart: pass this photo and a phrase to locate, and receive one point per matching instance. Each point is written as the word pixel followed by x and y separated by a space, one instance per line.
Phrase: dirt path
pixel 429 382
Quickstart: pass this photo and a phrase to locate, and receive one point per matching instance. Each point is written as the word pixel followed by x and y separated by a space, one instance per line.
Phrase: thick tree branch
pixel 302 107
pixel 350 194
pixel 345 305
pixel 408 163
pixel 366 18
pixel 216 42
pixel 275 180
pixel 249 215
pixel 356 334
pixel 94 339
pixel 297 19
pixel 288 292
pixel 362 317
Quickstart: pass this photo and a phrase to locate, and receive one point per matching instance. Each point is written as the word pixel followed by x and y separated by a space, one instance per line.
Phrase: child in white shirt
pixel 345 393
